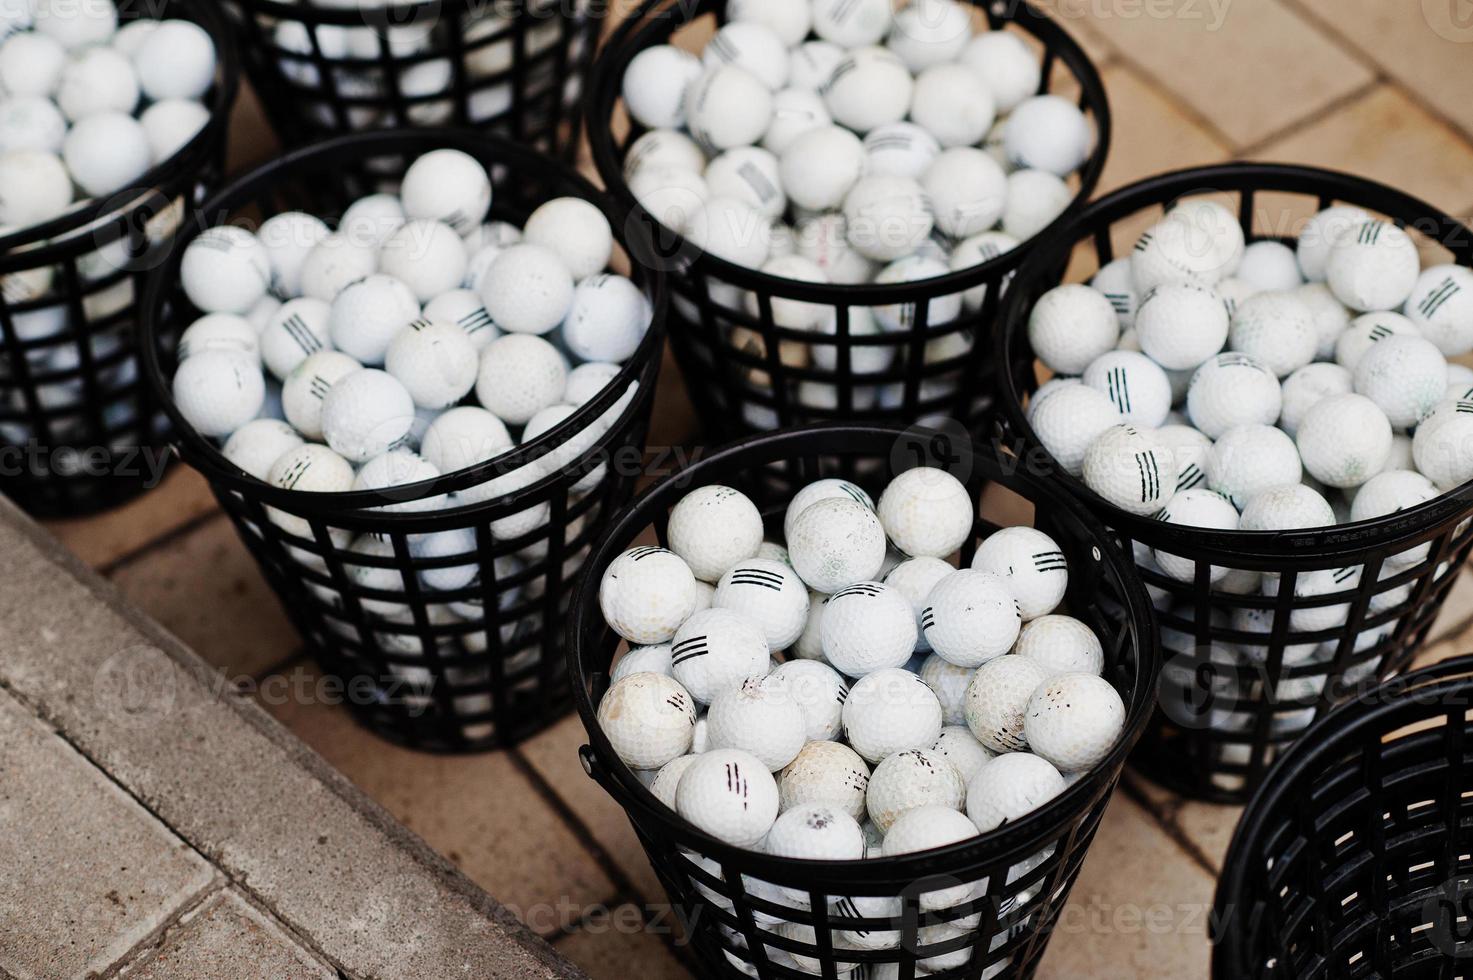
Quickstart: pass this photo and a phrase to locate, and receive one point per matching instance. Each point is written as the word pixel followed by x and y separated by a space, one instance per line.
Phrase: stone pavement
pixel 155 824
pixel 1369 86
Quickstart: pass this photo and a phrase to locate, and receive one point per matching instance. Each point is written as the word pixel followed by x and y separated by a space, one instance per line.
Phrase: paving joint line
pixel 1149 78
pixel 1324 112
pixel 1169 827
pixel 110 568
pixel 287 926
pixel 140 952
pixel 576 826
pixel 1355 50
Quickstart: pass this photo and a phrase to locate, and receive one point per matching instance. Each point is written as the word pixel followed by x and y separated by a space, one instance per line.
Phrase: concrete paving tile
pixel 226 937
pixel 89 873
pixel 1252 67
pixel 476 810
pixel 1152 132
pixel 1138 910
pixel 103 538
pixel 205 587
pixel 1425 46
pixel 616 945
pixel 1387 137
pixel 554 755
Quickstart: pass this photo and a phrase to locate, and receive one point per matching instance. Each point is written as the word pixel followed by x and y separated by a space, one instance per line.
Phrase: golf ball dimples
pixel 1330 316
pixel 1285 507
pixel 930 32
pixel 715 650
pixel 335 263
pixel 886 218
pixel 575 230
pixel 607 319
pixel 795 111
pixel 866 627
pixel 826 772
pixel 997 698
pixel 926 512
pixel 1269 266
pixel 770 594
pixel 815 831
pixel 822 490
pixel 889 711
pixel 304 389
pixel 1373 267
pixel 1198 507
pixel 1032 565
pixel 949 103
pixel 1190 449
pixel 1061 645
pixel 1250 458
pixel 1303 389
pixel 900 149
pixel 296 331
pixel 1344 440
pixel 1389 492
pixel 1047 132
pixel 730 230
pixel 1130 469
pixel 971 617
pixel 925 828
pixel 447 186
pixel 667 779
pixel 1443 445
pixel 640 660
pixel 869 88
pixel 916 777
pixel 646 594
pixel 791 313
pixel 648 719
pixel 730 795
pixel 760 717
pixel 365 414
pixel 1320 234
pixel 849 24
pixel 949 682
pixel 655 83
pixel 836 542
pixel 1010 787
pixel 1231 390
pixel 461 437
pixel 713 528
pixel 427 256
pixel 1441 305
pixel 1181 325
pixel 818 168
pixel 914 579
pixel 1074 720
pixel 819 691
pixel 367 315
pixel 225 270
pixel 1277 330
pixel 967 189
pixel 219 391
pixel 1405 376
pixel 1067 421
pixel 219 331
pixel 435 362
pixel 519 376
pixel 727 106
pixel 289 238
pixel 260 442
pixel 1137 386
pixel 1070 326
pixel 1195 243
pixel 1366 330
pixel 528 289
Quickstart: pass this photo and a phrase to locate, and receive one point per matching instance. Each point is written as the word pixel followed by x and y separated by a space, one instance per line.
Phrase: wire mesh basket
pixel 451 646
pixel 747 374
pixel 1246 673
pixel 748 912
pixel 511 69
pixel 1352 860
pixel 79 430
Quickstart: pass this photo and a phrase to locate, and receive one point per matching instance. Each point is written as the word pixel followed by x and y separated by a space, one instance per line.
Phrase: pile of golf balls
pixel 428 85
pixel 852 693
pixel 1216 383
pixel 88 106
pixel 840 141
pixel 414 339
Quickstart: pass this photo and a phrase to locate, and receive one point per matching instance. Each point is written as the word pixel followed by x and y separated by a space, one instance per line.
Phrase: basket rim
pixel 1337 540
pixel 394 13
pixel 1017 836
pixel 645 27
pixel 54 239
pixel 1298 762
pixel 201 453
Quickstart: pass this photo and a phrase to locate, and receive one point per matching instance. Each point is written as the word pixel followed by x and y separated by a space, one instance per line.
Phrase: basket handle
pixel 596 771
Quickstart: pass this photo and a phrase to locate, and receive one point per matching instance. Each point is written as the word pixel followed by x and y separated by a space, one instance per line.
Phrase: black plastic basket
pixel 731 926
pixel 79 430
pixel 512 69
pixel 735 361
pixel 1222 722
pixel 458 670
pixel 1353 858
